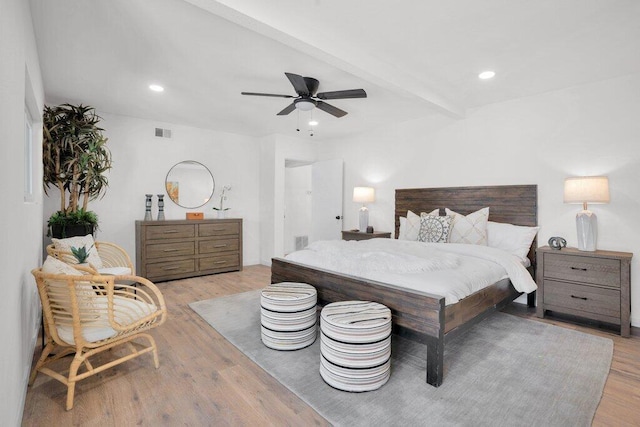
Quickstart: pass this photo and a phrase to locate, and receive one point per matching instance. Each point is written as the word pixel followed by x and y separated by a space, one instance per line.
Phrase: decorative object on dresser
pixel 189 184
pixel 357 235
pixel 176 249
pixel 363 195
pixel 222 211
pixel 583 190
pixel 557 243
pixel 160 207
pixel 593 285
pixel 147 205
pixel 195 215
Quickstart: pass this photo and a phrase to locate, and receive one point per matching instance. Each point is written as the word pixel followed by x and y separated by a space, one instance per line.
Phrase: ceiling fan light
pixel 303 105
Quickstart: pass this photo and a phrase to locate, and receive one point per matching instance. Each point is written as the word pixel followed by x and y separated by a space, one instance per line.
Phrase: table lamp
pixel 363 195
pixel 586 189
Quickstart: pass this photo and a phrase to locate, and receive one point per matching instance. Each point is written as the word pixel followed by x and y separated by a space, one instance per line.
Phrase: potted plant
pixel 222 211
pixel 75 160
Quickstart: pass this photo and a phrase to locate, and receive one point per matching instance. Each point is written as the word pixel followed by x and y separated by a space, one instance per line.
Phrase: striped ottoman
pixel 355 345
pixel 288 315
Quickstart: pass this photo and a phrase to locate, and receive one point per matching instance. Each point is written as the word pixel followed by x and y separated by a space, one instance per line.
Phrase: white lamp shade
pixel 586 189
pixel 364 195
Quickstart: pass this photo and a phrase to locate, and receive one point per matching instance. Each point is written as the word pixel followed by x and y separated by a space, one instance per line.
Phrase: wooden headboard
pixel 514 204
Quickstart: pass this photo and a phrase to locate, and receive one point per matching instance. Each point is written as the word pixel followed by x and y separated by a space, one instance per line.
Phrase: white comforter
pixel 447 269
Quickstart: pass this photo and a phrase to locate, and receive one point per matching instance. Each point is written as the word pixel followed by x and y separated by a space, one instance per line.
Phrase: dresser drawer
pixel 164 250
pixel 218 229
pixel 170 231
pixel 170 268
pixel 588 299
pixel 223 261
pixel 218 245
pixel 584 269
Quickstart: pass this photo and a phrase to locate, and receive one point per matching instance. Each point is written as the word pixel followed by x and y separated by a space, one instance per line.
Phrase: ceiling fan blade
pixel 287 110
pixel 328 108
pixel 343 94
pixel 266 94
pixel 298 84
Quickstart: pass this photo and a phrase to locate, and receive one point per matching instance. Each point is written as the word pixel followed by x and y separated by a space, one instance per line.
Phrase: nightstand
pixel 356 235
pixel 592 285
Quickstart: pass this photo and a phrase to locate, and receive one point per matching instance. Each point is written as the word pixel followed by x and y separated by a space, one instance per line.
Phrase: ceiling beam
pixel 345 57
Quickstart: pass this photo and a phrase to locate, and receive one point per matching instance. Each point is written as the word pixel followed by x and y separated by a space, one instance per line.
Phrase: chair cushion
pixel 78 242
pixel 125 312
pixel 115 271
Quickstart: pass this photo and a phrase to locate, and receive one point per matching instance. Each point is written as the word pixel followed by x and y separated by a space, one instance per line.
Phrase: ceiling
pixel 419 58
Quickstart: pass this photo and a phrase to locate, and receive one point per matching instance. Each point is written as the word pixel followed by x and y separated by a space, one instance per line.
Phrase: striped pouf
pixel 288 315
pixel 355 345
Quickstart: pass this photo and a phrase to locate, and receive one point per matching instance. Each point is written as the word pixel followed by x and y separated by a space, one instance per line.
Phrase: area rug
pixel 504 371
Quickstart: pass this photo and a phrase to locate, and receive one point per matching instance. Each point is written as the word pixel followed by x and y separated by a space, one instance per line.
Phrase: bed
pixel 419 315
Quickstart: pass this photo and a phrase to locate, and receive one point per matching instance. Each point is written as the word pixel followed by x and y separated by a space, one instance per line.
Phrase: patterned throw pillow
pixel 410 226
pixel 434 228
pixel 78 242
pixel 471 229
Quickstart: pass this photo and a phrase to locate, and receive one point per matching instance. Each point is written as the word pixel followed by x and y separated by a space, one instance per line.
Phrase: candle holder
pixel 148 203
pixel 160 207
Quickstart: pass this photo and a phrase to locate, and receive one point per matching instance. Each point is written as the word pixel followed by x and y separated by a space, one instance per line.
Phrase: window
pixel 28 157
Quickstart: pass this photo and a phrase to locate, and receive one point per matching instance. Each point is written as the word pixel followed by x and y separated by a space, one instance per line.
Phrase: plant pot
pixel 222 214
pixel 71 230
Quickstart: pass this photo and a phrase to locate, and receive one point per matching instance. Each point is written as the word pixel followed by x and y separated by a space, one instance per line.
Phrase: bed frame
pixel 419 315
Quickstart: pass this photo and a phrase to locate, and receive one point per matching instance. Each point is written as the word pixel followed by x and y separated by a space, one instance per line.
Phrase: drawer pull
pixel 170 231
pixel 582 298
pixel 218 229
pixel 220 262
pixel 177 268
pixel 170 250
pixel 577 268
pixel 220 246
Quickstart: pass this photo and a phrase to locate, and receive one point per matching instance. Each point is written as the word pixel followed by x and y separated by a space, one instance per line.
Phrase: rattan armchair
pixel 87 314
pixel 112 256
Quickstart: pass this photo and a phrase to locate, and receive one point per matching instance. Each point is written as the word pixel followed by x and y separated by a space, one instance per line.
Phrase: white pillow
pixel 514 239
pixel 434 228
pixel 84 290
pixel 471 229
pixel 410 226
pixel 78 242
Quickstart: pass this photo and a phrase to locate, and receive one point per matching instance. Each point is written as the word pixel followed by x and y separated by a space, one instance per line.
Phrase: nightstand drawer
pixel 584 269
pixel 588 299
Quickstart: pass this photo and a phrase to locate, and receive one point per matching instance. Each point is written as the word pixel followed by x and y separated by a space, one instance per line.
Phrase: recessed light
pixel 486 75
pixel 156 88
pixel 313 123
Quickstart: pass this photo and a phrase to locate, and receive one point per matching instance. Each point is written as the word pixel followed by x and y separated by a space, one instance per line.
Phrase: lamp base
pixel 587 226
pixel 363 219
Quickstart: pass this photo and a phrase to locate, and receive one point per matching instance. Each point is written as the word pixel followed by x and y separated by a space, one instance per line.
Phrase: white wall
pixel 20 82
pixel 140 165
pixel 585 130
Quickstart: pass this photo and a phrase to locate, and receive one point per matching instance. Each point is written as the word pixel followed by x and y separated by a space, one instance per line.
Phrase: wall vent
pixel 301 242
pixel 163 133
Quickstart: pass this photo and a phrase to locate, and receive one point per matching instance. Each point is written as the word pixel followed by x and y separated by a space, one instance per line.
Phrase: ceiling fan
pixel 308 99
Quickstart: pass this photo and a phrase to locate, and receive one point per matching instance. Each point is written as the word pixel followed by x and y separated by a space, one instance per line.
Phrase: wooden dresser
pixel 176 249
pixel 593 285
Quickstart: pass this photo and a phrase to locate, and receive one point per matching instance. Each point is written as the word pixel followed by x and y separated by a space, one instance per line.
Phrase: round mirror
pixel 190 184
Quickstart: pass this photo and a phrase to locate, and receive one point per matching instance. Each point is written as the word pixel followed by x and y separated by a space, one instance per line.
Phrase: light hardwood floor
pixel 204 380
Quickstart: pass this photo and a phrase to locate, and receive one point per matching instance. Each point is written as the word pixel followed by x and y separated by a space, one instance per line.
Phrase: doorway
pixel 312 202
